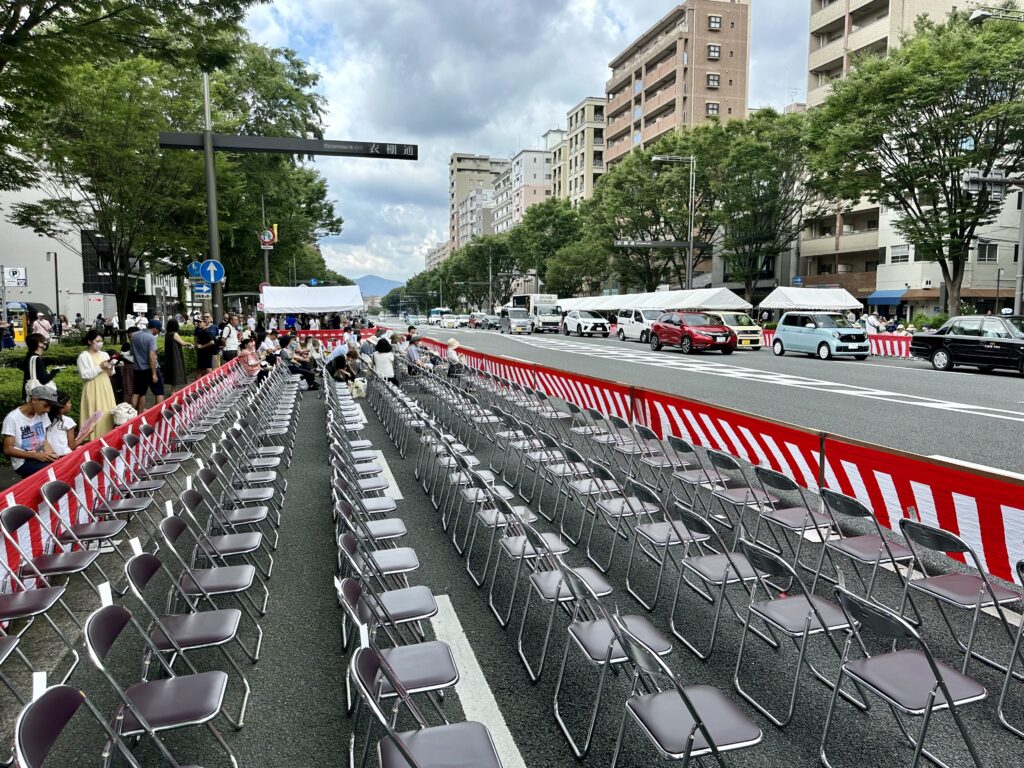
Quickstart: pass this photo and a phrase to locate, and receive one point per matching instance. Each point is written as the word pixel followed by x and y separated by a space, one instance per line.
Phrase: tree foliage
pixel 902 130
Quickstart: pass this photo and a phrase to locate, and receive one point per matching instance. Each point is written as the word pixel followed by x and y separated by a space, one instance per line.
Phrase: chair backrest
pixel 141 569
pixel 91 470
pixel 721 460
pixel 572 455
pixel 171 528
pixel 600 471
pixel 132 441
pixel 644 493
pixel 679 445
pixel 103 628
pixel 207 475
pixel 696 524
pixel 110 453
pixel 765 562
pixel 12 518
pixel 646 433
pixel 574 409
pixel 776 480
pixel 931 538
pixel 53 491
pixel 220 458
pixel 843 504
pixel 881 621
pixel 618 422
pixel 638 652
pixel 147 430
pixel 192 500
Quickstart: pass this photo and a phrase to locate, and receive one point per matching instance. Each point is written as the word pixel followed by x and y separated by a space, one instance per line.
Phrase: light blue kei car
pixel 825 334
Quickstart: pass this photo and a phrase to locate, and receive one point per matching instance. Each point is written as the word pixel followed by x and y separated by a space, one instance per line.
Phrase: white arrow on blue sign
pixel 211 271
pixel 205 289
pixel 193 269
pixel 313 281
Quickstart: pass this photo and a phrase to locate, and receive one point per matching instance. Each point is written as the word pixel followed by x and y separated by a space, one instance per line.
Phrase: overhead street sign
pixel 203 289
pixel 193 269
pixel 651 244
pixel 212 271
pixel 290 146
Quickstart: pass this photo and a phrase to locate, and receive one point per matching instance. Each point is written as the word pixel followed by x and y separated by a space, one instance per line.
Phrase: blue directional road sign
pixel 313 281
pixel 203 289
pixel 211 271
pixel 798 281
pixel 193 269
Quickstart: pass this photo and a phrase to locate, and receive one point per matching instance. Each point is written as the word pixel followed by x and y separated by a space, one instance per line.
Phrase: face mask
pixel 97 345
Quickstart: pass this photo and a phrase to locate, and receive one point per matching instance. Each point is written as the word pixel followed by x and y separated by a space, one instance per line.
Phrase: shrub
pixel 932 321
pixel 769 326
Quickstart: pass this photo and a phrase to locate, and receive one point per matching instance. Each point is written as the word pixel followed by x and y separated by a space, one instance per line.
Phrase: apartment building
pixel 475 216
pixel 435 255
pixel 860 250
pixel 691 66
pixel 466 173
pixel 582 160
pixel 526 182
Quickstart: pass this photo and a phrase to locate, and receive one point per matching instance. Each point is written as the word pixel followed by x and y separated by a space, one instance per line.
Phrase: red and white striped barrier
pixel 986 509
pixel 882 344
pixel 32 538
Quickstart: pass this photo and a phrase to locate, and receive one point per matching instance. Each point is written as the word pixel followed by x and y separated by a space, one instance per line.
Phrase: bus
pixel 434 318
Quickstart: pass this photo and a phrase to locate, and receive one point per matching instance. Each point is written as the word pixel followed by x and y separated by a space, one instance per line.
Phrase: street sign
pixel 140 306
pixel 289 146
pixel 212 271
pixel 798 281
pixel 313 281
pixel 15 277
pixel 651 244
pixel 203 289
pixel 193 269
pixel 263 285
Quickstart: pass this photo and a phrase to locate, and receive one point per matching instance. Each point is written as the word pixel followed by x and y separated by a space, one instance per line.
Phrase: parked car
pixel 825 334
pixel 691 332
pixel 636 323
pixel 476 319
pixel 986 342
pixel 514 320
pixel 449 321
pixel 748 333
pixel 584 323
pixel 492 322
pixel 463 321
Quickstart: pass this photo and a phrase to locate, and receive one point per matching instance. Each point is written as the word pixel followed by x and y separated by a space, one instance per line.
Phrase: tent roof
pixel 704 298
pixel 330 298
pixel 810 298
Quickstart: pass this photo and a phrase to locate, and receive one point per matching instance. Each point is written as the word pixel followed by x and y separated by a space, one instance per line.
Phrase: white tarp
pixel 330 298
pixel 810 298
pixel 703 298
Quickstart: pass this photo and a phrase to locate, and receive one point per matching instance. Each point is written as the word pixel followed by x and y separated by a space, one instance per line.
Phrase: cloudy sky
pixel 481 76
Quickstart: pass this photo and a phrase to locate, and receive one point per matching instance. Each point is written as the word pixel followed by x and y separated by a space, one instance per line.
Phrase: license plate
pixel 745 342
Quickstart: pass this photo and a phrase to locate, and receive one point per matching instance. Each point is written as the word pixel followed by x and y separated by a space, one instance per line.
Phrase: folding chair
pixel 546 582
pixel 486 514
pixel 124 479
pixel 592 631
pixel 682 722
pixel 233 543
pixel 42 721
pixel 467 743
pixel 963 591
pixel 175 633
pixel 153 706
pixel 129 505
pixel 690 474
pixel 910 680
pixel 148 464
pixel 230 517
pixel 598 484
pixel 793 521
pixel 657 458
pixel 93 531
pixel 795 612
pixel 732 490
pixel 617 508
pixel 1018 652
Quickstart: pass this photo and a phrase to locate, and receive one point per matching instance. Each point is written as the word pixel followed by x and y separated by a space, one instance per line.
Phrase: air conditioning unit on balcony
pixel 926 284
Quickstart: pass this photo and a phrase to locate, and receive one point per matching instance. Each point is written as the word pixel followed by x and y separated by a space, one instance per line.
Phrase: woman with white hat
pixel 453 358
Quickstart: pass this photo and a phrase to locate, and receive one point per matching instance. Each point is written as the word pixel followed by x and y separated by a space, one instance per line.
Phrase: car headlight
pixel 836 335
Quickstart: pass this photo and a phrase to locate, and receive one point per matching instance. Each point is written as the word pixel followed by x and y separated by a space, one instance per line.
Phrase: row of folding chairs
pixel 197 572
pixel 715 497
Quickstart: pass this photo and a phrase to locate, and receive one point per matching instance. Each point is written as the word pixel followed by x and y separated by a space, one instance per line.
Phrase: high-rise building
pixel 583 152
pixel 466 173
pixel 435 255
pixel 526 182
pixel 475 216
pixel 860 249
pixel 689 67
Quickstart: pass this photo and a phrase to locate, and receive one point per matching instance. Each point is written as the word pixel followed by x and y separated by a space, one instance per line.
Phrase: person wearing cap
pixel 414 358
pixel 24 432
pixel 146 367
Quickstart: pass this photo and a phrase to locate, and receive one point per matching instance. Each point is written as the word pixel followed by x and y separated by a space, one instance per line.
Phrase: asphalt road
pixel 903 404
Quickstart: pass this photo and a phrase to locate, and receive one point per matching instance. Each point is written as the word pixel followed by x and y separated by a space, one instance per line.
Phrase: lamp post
pixel 56 288
pixel 999 278
pixel 692 205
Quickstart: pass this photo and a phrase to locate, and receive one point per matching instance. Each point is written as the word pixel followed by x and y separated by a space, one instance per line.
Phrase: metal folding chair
pixel 1017 653
pixel 617 508
pixel 795 522
pixel 910 680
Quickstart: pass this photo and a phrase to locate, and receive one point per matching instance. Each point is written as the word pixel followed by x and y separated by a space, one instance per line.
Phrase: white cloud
pixel 483 76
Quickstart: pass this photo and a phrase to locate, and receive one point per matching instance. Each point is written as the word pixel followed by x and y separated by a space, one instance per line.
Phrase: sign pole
pixel 210 172
pixel 3 293
pixel 266 251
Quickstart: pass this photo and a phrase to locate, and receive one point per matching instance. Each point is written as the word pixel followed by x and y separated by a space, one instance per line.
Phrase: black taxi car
pixel 985 342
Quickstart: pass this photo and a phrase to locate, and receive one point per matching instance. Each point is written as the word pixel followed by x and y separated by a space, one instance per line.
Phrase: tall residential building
pixel 465 173
pixel 435 255
pixel 526 182
pixel 860 250
pixel 689 67
pixel 475 216
pixel 584 149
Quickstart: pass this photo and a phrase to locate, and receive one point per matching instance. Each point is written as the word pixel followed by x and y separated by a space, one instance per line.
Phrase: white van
pixel 635 324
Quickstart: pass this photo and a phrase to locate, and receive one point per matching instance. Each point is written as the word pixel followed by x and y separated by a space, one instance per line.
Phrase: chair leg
pixel 535 674
pixel 579 751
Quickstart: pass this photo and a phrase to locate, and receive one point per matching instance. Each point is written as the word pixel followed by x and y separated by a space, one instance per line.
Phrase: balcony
pixel 818 247
pixel 662 71
pixel 828 15
pixel 619 125
pixel 663 97
pixel 617 150
pixel 864 240
pixel 874 35
pixel 827 56
pixel 860 284
pixel 660 126
pixel 620 100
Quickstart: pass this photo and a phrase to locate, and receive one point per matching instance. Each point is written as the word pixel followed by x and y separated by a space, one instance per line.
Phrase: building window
pixel 714 51
pixel 638 86
pixel 714 80
pixel 730 110
pixel 1016 252
pixel 714 22
pixel 899 254
pixel 711 108
pixel 637 138
pixel 988 253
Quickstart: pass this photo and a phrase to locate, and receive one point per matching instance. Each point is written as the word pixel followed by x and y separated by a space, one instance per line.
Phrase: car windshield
pixel 739 320
pixel 1017 323
pixel 547 309
pixel 699 318
pixel 448 317
pixel 652 314
pixel 831 321
pixel 588 315
pixel 517 314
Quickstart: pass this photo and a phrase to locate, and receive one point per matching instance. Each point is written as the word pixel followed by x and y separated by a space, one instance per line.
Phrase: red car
pixel 691 332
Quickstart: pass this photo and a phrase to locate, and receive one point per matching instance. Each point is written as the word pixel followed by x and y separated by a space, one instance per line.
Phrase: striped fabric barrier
pixel 32 538
pixel 985 508
pixel 882 344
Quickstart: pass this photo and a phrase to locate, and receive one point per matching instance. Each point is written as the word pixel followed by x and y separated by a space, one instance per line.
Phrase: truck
pixel 543 310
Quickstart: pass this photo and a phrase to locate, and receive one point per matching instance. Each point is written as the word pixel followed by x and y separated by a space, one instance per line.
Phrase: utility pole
pixel 490 284
pixel 56 284
pixel 266 251
pixel 210 171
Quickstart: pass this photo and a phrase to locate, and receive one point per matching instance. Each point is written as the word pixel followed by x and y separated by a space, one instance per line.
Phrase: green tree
pixel 761 193
pixel 578 268
pixel 903 129
pixel 545 228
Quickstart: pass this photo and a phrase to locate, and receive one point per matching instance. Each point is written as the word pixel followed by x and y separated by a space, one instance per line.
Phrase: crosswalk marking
pixel 733 371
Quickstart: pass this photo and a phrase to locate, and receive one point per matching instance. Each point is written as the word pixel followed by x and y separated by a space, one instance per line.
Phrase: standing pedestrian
pixel 229 338
pixel 174 357
pixel 95 367
pixel 146 366
pixel 42 326
pixel 205 346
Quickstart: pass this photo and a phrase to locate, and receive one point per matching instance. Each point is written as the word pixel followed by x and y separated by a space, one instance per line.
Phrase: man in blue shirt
pixel 145 366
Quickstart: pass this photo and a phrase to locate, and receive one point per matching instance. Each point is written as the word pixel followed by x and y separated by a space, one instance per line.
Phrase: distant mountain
pixel 371 285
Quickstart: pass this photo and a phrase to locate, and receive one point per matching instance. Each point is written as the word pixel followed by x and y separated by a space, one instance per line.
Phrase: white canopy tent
pixel 703 298
pixel 810 298
pixel 312 301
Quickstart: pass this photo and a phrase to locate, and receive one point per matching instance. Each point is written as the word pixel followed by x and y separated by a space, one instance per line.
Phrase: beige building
pixel 435 255
pixel 466 173
pixel 691 66
pixel 581 161
pixel 475 216
pixel 526 182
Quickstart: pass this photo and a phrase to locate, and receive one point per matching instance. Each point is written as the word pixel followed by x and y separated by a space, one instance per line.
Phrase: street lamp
pixel 691 213
pixel 983 14
pixel 999 278
pixel 56 288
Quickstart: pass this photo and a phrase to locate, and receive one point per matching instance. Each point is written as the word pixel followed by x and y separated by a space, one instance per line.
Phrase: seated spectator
pixel 384 360
pixel 61 434
pixel 400 344
pixel 270 347
pixel 24 433
pixel 455 365
pixel 250 360
pixel 288 357
pixel 415 358
pixel 367 348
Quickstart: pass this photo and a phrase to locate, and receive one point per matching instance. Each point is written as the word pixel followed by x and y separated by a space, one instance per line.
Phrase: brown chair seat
pixel 906 679
pixel 797 518
pixel 594 636
pixel 192 630
pixel 104 529
pixel 490 518
pixel 176 701
pixel 128 506
pixel 387 528
pixel 378 505
pixel 420 667
pixel 459 744
pixel 408 604
pixel 61 562
pixel 712 568
pixel 31 602
pixel 517 546
pixel 547 583
pixel 667 532
pixel 744 495
pixel 790 613
pixel 244 515
pixel 669 723
pixel 626 506
pixel 868 549
pixel 397 560
pixel 962 589
pixel 232 578
pixel 233 543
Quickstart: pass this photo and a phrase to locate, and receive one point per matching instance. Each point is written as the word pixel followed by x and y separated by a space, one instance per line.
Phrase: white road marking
pixel 733 371
pixel 393 490
pixel 474 693
pixel 983 467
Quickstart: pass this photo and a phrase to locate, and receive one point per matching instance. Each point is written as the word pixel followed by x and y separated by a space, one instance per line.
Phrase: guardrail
pixel 985 508
pixel 32 537
pixel 882 344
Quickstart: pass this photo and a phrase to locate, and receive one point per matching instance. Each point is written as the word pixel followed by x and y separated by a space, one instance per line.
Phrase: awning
pixel 885 298
pixel 331 298
pixel 703 298
pixel 823 299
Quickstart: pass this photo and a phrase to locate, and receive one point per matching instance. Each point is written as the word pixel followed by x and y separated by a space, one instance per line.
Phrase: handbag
pixel 33 379
pixel 358 388
pixel 123 413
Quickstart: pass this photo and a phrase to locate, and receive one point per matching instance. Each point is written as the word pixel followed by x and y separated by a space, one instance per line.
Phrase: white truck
pixel 543 310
